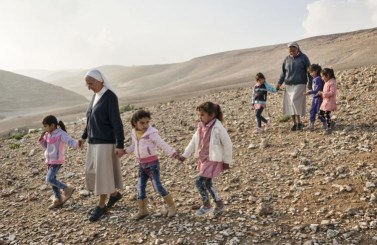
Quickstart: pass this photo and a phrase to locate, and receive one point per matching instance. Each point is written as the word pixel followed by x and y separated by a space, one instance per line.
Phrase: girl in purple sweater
pixel 53 140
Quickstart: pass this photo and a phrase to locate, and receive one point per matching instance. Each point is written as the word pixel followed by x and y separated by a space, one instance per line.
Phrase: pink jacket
pixel 145 148
pixel 329 96
pixel 54 142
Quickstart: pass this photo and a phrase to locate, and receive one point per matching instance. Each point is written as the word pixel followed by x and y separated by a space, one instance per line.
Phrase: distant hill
pixel 147 84
pixel 21 96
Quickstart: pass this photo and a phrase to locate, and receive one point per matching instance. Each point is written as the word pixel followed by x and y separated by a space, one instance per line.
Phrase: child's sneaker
pixel 219 208
pixel 258 130
pixel 324 125
pixel 311 126
pixel 203 210
pixel 268 125
pixel 56 203
pixel 328 131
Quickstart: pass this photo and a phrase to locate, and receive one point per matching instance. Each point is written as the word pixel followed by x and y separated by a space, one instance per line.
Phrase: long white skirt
pixel 102 170
pixel 294 100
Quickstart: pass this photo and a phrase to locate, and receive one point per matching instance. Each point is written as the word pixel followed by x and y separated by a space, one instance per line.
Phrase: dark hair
pixel 139 115
pixel 211 109
pixel 328 72
pixel 315 67
pixel 50 119
pixel 259 76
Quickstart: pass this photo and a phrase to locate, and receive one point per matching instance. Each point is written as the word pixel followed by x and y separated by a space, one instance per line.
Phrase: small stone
pixel 332 233
pixel 84 193
pixel 314 227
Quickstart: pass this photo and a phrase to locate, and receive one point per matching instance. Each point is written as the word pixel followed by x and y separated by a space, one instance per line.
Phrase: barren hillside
pixel 24 96
pixel 283 187
pixel 150 84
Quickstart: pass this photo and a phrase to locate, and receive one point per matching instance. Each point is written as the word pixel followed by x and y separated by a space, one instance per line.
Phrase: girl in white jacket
pixel 212 145
pixel 145 141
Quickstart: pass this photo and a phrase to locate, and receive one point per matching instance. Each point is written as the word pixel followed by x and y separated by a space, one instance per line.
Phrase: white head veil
pixel 96 74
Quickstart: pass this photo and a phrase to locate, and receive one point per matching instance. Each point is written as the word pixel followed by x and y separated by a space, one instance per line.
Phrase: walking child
pixel 315 71
pixel 212 145
pixel 329 98
pixel 259 100
pixel 53 140
pixel 145 141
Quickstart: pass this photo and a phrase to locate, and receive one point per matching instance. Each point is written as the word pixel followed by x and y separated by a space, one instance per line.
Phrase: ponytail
pixel 49 120
pixel 212 109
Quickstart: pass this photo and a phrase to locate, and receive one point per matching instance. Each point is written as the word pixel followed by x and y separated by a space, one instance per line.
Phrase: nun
pixel 105 135
pixel 296 77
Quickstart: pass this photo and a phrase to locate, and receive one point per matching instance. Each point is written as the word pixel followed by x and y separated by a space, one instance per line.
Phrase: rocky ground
pixel 283 188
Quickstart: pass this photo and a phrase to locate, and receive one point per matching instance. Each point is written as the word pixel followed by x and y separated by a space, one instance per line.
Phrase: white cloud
pixel 336 16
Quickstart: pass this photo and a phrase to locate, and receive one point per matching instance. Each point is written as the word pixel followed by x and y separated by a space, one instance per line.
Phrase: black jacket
pixel 103 122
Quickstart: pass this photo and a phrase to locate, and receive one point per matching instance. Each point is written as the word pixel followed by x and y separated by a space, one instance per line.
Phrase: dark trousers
pixel 205 186
pixel 325 116
pixel 260 118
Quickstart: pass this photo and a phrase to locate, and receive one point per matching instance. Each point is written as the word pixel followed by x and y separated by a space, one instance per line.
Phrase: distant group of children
pixel 210 143
pixel 323 103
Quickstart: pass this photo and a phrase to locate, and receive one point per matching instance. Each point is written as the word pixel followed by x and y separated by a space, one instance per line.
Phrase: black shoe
pixel 97 213
pixel 113 200
pixel 300 126
pixel 294 128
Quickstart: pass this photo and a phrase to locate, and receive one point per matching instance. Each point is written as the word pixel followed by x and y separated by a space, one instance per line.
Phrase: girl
pixel 212 145
pixel 329 97
pixel 53 140
pixel 145 141
pixel 259 99
pixel 315 71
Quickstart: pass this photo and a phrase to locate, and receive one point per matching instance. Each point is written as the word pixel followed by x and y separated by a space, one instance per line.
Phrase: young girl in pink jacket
pixel 145 141
pixel 53 140
pixel 212 145
pixel 329 98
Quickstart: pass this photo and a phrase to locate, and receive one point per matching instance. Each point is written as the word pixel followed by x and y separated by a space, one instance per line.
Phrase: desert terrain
pixel 151 84
pixel 283 187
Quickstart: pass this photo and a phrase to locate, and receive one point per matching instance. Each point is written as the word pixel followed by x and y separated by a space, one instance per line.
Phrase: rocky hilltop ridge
pixel 283 188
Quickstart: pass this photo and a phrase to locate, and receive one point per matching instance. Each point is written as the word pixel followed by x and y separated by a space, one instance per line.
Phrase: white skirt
pixel 102 170
pixel 294 100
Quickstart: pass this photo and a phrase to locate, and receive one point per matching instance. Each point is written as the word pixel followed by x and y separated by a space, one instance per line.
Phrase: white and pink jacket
pixel 145 148
pixel 54 142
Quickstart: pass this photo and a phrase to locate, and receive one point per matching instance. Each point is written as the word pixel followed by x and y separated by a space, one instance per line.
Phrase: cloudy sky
pixel 65 34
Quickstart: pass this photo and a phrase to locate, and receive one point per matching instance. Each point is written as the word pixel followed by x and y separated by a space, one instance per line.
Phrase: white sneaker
pixel 203 210
pixel 258 130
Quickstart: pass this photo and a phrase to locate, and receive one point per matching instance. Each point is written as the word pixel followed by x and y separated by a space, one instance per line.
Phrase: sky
pixel 80 34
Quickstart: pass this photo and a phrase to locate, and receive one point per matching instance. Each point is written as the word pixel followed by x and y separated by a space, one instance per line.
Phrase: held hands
pixel 119 152
pixel 81 143
pixel 307 93
pixel 178 157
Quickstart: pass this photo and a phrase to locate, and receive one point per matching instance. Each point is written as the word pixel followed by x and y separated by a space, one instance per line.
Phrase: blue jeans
pixel 152 172
pixel 53 170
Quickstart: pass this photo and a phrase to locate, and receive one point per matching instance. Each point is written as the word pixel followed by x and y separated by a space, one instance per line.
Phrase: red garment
pixel 206 167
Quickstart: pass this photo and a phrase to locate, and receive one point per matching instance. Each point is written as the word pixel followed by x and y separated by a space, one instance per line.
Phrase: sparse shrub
pixel 17 136
pixel 285 118
pixel 14 146
pixel 127 107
